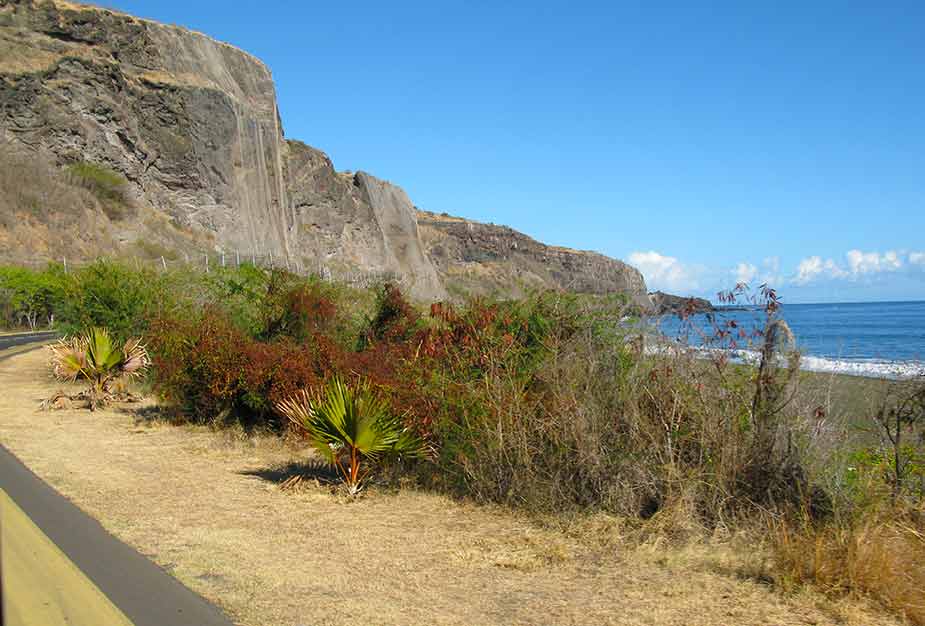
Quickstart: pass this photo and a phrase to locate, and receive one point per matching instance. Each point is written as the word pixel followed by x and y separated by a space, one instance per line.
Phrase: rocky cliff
pixel 485 258
pixel 192 124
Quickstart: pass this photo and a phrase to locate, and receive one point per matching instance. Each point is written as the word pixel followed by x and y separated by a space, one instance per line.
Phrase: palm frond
pixel 135 359
pixel 95 357
pixel 69 358
pixel 353 420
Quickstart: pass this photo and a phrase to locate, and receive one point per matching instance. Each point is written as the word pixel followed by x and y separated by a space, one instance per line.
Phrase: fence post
pixel 207 262
pixel 64 259
pixel 164 262
pixel 223 258
pixel 237 259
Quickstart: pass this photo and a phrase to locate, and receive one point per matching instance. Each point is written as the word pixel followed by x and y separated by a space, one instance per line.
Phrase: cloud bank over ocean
pixel 856 268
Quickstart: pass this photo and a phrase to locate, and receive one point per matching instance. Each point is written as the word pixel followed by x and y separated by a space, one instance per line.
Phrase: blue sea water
pixel 866 339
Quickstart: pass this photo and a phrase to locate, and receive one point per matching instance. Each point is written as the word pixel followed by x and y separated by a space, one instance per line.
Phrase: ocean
pixel 878 339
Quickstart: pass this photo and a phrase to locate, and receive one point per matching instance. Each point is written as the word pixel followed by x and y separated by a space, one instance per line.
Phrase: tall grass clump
pixel 873 542
pixel 550 403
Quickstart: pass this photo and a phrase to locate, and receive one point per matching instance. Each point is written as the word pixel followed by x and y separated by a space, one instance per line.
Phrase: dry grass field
pixel 207 507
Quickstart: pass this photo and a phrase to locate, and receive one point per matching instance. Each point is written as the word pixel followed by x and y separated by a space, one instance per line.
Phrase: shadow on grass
pixel 306 470
pixel 153 414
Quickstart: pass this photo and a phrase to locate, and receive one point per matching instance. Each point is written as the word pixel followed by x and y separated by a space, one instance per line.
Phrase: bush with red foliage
pixel 303 312
pixel 198 363
pixel 395 319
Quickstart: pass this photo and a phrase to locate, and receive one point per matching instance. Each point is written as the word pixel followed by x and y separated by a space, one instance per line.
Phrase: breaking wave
pixel 869 368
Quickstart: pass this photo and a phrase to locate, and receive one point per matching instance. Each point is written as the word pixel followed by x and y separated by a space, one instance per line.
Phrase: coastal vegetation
pixel 549 404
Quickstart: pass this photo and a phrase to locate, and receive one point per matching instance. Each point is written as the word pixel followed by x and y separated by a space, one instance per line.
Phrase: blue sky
pixel 703 142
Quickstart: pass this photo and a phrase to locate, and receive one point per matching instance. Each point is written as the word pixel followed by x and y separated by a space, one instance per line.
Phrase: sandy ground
pixel 195 502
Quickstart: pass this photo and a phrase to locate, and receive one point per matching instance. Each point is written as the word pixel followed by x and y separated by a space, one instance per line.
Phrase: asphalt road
pixel 76 567
pixel 21 339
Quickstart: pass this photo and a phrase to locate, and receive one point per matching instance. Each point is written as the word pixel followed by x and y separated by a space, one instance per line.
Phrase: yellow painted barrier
pixel 41 586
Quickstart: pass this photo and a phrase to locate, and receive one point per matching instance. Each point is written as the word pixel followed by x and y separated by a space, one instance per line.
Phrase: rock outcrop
pixel 355 222
pixel 485 258
pixel 192 124
pixel 665 303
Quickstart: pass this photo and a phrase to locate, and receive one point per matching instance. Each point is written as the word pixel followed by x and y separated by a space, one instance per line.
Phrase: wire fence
pixel 223 260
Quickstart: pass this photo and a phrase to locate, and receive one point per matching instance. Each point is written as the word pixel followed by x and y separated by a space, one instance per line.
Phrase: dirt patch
pixel 207 507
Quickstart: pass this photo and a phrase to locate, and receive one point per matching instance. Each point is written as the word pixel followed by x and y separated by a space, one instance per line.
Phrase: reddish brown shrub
pixel 395 318
pixel 304 312
pixel 199 363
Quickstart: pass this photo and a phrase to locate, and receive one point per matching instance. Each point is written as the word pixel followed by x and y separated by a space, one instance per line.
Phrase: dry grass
pixel 181 79
pixel 880 556
pixel 16 58
pixel 195 502
pixel 45 215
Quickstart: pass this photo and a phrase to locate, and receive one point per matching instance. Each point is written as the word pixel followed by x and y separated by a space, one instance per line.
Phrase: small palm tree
pixel 94 357
pixel 350 426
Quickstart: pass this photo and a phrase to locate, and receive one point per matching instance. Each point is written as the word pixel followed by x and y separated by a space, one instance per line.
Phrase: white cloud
pixel 863 263
pixel 770 271
pixel 917 264
pixel 745 272
pixel 665 272
pixel 814 267
pixel 668 273
pixel 859 264
pixel 767 274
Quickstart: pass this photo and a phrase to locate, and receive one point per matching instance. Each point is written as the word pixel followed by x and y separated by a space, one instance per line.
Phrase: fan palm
pixel 350 426
pixel 95 357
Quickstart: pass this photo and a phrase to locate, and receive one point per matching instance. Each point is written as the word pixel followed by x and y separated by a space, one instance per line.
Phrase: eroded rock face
pixel 357 222
pixel 192 124
pixel 485 258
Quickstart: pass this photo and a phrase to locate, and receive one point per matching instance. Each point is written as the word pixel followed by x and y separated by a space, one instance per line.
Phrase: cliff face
pixel 192 124
pixel 484 258
pixel 356 222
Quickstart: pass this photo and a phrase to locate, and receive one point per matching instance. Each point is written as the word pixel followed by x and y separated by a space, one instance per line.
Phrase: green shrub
pixel 114 296
pixel 109 187
pixel 30 298
pixel 546 402
pixel 8 318
pixel 532 391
